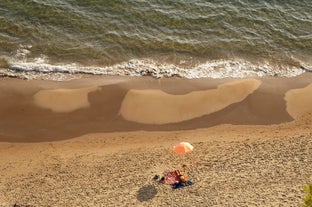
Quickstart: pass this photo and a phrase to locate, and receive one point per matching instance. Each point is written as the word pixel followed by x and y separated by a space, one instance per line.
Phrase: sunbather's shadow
pixel 146 193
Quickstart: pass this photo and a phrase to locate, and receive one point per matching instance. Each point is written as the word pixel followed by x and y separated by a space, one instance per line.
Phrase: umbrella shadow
pixel 146 193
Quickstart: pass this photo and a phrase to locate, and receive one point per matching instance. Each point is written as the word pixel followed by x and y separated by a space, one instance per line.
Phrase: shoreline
pixel 234 67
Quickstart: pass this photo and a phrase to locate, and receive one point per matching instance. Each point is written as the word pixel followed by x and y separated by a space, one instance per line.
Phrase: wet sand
pixel 79 143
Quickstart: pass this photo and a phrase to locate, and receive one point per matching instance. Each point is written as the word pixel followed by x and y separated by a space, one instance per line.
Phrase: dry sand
pixel 254 149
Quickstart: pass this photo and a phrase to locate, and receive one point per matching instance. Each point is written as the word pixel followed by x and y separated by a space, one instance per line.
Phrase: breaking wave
pixel 40 69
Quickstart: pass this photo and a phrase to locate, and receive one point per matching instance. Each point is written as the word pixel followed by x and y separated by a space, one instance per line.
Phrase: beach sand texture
pixel 78 143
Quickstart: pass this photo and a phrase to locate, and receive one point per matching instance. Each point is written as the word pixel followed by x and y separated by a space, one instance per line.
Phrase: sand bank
pixel 157 107
pixel 299 101
pixel 63 100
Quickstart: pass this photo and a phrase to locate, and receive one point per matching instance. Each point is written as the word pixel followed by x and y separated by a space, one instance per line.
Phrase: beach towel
pixel 171 178
pixel 177 176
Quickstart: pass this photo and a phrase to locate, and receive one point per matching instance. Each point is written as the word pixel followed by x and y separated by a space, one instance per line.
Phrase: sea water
pixel 64 39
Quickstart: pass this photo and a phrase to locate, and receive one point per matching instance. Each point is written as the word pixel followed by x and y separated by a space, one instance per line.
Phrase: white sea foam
pixel 40 69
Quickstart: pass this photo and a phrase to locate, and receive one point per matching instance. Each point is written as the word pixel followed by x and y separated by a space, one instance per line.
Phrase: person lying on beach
pixel 176 179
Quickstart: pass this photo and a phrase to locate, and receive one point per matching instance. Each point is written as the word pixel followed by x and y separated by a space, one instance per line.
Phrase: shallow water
pixel 133 37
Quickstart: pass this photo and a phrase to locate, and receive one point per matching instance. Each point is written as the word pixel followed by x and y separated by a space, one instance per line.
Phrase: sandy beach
pixel 100 141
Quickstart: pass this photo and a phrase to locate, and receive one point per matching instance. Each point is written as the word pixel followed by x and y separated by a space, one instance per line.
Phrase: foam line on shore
pixel 158 107
pixel 235 68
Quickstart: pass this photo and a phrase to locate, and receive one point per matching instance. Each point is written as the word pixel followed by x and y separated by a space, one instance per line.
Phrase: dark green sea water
pixel 139 37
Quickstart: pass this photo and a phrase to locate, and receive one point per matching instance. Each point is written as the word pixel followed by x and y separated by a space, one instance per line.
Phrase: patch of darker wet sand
pixel 24 121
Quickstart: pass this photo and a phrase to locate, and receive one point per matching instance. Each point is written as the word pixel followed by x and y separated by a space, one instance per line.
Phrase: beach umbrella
pixel 183 148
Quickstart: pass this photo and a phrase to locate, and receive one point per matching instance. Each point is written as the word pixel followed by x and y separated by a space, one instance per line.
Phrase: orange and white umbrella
pixel 183 148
